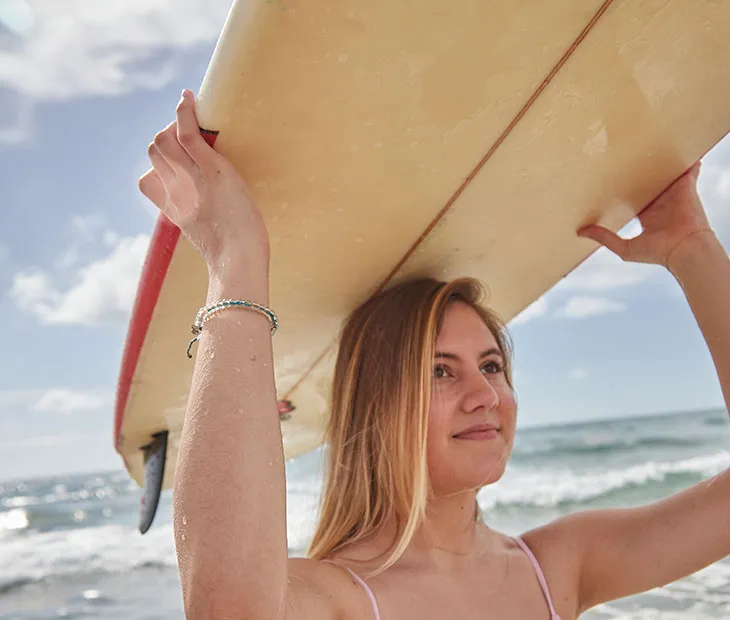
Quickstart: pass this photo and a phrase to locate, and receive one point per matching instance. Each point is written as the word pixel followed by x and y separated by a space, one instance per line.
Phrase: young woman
pixel 423 416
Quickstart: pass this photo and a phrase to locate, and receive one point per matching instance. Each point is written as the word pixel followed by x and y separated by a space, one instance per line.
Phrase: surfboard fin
pixel 155 454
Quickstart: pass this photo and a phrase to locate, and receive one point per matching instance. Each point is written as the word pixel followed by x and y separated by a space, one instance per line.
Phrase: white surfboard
pixel 384 140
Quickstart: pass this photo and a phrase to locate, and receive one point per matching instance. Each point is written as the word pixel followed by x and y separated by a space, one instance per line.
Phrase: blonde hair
pixel 376 432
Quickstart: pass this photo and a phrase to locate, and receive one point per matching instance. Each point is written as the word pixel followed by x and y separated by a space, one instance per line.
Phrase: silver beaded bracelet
pixel 208 311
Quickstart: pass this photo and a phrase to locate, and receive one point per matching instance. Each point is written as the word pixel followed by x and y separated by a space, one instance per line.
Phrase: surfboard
pixel 384 141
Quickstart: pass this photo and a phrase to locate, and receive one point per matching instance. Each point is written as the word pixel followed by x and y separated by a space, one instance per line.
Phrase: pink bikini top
pixel 541 577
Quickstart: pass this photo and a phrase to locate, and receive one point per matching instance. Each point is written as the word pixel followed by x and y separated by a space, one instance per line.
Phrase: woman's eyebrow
pixel 451 356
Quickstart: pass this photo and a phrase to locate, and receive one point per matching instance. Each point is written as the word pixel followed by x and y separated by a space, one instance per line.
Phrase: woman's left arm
pixel 702 268
pixel 625 551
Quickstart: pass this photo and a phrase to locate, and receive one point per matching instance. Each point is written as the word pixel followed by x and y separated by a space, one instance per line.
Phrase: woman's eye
pixel 496 365
pixel 441 371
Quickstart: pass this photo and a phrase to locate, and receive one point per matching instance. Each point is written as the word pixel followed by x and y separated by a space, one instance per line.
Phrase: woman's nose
pixel 480 393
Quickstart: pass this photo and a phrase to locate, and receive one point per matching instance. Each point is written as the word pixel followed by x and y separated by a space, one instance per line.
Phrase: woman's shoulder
pixel 324 589
pixel 555 548
pixel 553 543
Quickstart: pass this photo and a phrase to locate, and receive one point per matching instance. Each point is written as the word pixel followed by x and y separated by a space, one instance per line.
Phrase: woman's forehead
pixel 464 327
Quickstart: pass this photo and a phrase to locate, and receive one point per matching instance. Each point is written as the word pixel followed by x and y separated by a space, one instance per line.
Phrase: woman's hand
pixel 674 216
pixel 200 192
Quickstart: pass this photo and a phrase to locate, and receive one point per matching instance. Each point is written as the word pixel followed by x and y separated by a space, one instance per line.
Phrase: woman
pixel 419 366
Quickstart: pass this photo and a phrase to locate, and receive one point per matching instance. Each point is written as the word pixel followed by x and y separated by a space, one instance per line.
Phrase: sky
pixel 84 87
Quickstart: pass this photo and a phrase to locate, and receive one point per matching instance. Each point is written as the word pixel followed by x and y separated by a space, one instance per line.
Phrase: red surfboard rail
pixel 159 255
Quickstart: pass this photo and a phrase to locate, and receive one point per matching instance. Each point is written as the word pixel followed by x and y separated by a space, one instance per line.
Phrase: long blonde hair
pixel 376 432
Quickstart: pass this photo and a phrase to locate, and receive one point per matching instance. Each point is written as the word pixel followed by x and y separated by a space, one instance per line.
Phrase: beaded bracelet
pixel 208 311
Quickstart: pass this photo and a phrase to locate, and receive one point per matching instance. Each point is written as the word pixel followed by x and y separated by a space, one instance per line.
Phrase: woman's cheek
pixel 508 404
pixel 438 417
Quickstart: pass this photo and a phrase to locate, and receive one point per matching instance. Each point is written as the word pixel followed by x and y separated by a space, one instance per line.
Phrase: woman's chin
pixel 470 482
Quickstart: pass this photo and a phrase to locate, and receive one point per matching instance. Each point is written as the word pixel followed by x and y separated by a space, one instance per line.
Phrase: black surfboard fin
pixel 155 454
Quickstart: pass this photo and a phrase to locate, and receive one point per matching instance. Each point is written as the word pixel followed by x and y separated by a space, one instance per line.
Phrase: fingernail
pixel 184 93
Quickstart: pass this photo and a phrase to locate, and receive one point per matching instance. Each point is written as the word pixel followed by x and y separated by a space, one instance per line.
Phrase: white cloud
pixel 80 48
pixel 605 271
pixel 577 374
pixel 34 292
pixel 582 307
pixel 631 229
pixel 68 259
pixel 88 230
pixel 61 400
pixel 104 292
pixel 110 238
pixel 65 400
pixel 86 47
pixel 714 188
pixel 536 309
pixel 87 227
pixel 16 399
pixel 17 16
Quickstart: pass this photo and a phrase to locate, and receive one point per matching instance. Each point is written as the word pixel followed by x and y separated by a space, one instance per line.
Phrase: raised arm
pixel 631 550
pixel 229 492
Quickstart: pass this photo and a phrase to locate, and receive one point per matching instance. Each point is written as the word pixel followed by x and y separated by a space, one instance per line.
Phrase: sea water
pixel 69 547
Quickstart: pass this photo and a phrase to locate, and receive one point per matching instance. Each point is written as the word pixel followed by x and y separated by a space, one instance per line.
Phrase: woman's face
pixel 469 388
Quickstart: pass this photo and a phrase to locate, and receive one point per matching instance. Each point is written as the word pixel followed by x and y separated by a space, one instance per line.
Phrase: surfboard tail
pixel 155 455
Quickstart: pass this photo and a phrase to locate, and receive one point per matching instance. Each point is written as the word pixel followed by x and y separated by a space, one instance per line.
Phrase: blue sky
pixel 83 89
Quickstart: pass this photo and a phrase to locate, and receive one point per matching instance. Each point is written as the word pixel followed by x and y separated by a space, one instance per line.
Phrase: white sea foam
pixel 61 493
pixel 549 487
pixel 108 548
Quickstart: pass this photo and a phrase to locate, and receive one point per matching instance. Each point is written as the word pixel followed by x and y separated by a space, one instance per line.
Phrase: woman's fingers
pixel 188 135
pixel 160 165
pixel 610 239
pixel 173 153
pixel 152 187
pixel 179 148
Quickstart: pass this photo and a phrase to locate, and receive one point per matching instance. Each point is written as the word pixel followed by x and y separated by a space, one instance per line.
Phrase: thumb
pixel 606 237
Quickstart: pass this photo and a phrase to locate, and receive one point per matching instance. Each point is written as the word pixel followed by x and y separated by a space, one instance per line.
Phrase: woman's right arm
pixel 229 493
pixel 230 489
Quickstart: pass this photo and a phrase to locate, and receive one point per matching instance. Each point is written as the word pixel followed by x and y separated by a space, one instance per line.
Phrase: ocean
pixel 69 547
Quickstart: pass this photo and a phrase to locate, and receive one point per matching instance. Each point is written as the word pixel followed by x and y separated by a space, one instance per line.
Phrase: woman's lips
pixel 479 435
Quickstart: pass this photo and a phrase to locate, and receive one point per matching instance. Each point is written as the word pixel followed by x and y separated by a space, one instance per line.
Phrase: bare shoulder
pixel 324 591
pixel 559 552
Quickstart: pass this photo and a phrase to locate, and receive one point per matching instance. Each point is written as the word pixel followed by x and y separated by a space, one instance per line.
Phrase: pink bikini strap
pixel 368 591
pixel 541 577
